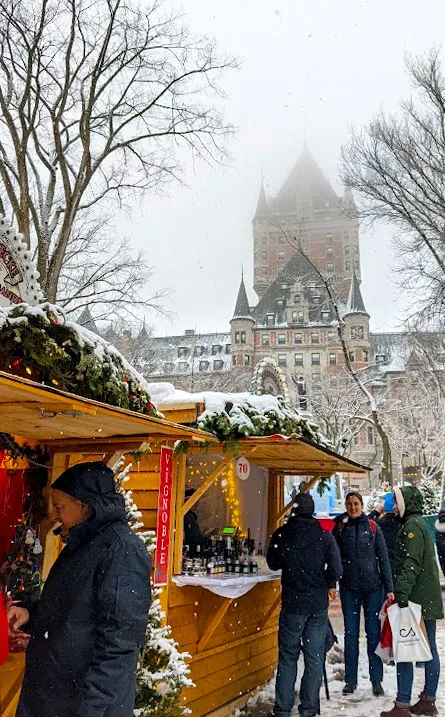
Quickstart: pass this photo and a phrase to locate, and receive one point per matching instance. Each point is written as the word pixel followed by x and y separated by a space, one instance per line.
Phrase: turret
pixel 241 329
pixel 356 321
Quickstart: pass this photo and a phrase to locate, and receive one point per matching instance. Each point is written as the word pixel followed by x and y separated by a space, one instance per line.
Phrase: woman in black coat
pixel 366 579
pixel 88 628
pixel 440 537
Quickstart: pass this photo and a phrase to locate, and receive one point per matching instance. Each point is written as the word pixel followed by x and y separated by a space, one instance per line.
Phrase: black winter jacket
pixel 89 625
pixel 390 524
pixel 440 538
pixel 310 561
pixel 364 555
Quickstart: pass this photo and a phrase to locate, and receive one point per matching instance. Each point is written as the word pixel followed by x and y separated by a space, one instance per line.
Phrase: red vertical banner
pixel 164 517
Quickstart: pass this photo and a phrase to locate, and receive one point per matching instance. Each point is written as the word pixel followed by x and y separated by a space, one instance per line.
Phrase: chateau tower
pixel 306 212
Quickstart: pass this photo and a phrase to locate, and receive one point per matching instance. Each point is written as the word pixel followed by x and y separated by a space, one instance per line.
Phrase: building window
pixel 357 332
pixel 264 270
pixel 228 347
pixel 347 249
pixel 297 299
pixel 352 356
pixel 333 381
pixel 298 359
pixel 233 360
pixel 281 255
pixel 243 337
pixel 264 255
pixel 325 315
pixel 264 240
pixel 237 337
pixel 347 265
pixel 281 338
pixel 370 435
pixel 332 359
pixel 203 365
pixel 365 355
pixel 332 336
pixel 300 317
pixel 329 236
pixel 316 378
pixel 265 339
pixel 282 360
pixel 182 365
pixel 329 251
pixel 380 359
pixel 169 367
pixel 316 300
pixel 182 351
pixel 246 360
pixel 330 267
pixel 315 337
pixel 298 338
pixel 294 316
pixel 215 349
pixel 280 269
pixel 270 319
pixel 218 365
pixel 315 359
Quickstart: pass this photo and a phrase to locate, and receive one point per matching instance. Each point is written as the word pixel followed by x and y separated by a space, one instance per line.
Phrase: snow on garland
pixel 267 370
pixel 39 342
pixel 162 670
pixel 233 416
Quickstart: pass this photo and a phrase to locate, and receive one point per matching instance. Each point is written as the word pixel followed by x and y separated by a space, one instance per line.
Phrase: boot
pixel 349 688
pixel 377 689
pixel 400 709
pixel 424 706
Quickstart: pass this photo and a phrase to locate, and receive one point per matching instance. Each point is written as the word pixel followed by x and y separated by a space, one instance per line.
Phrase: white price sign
pixel 242 468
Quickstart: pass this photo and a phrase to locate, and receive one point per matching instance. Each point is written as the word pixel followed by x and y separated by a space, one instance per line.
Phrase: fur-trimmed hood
pixel 409 500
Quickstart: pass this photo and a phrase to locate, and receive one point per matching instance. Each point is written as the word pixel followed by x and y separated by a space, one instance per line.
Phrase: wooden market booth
pixel 232 640
pixel 74 429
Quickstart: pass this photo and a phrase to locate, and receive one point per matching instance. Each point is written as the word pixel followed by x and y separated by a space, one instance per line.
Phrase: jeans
pixel 432 670
pixel 351 604
pixel 307 632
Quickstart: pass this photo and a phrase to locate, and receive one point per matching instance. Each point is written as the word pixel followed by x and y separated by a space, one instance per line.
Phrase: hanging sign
pixel 164 517
pixel 242 468
pixel 18 274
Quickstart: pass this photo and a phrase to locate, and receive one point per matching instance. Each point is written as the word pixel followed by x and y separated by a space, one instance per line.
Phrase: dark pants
pixel 309 633
pixel 351 604
pixel 432 670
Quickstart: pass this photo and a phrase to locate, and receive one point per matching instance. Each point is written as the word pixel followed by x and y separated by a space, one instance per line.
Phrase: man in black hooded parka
pixel 88 627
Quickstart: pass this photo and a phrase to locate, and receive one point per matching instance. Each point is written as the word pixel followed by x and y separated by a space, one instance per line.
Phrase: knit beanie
pixel 389 503
pixel 303 504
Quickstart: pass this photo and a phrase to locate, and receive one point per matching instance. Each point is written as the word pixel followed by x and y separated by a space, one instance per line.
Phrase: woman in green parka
pixel 416 579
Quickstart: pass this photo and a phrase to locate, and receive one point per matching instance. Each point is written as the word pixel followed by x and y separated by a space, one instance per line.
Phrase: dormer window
pixel 182 351
pixel 218 365
pixel 297 299
pixel 199 350
pixel 380 359
pixel 216 348
pixel 182 365
pixel 203 365
pixel 270 319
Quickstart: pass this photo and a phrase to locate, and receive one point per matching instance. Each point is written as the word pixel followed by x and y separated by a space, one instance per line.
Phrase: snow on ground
pixel 362 703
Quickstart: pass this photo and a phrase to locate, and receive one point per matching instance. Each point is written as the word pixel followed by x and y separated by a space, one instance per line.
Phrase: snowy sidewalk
pixel 362 703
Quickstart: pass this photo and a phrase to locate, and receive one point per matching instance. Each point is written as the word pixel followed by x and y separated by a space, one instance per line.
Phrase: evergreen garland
pixel 40 343
pixel 244 419
pixel 430 488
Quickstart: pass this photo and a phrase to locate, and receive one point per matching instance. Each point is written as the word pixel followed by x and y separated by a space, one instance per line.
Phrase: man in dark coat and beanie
pixel 310 562
pixel 88 627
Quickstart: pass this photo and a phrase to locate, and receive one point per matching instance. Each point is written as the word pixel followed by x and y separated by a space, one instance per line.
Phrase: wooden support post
pixel 188 505
pixel 270 611
pixel 213 624
pixel 178 536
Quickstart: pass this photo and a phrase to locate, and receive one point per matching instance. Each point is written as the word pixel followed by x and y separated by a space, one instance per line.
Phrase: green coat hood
pixel 409 501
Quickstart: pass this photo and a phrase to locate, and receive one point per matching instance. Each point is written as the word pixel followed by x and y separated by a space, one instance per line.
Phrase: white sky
pixel 309 67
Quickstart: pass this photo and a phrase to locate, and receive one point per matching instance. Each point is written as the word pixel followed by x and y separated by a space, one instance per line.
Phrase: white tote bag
pixel 409 638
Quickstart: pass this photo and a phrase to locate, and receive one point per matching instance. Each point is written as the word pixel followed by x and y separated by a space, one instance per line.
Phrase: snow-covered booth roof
pixel 270 432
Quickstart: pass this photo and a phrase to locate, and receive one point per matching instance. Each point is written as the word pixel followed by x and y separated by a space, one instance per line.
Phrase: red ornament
pixel 15 363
